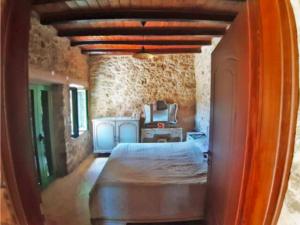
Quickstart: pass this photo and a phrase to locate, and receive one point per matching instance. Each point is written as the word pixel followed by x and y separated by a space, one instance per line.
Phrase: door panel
pixel 33 134
pixel 40 118
pixel 46 129
pixel 105 136
pixel 127 132
pixel 230 108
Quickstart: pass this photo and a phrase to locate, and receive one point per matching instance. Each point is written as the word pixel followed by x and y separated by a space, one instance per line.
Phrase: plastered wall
pixel 203 86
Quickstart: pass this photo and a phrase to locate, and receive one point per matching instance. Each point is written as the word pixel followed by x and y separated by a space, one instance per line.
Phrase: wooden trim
pixel 39 75
pixel 16 144
pixel 138 31
pixel 288 28
pixel 85 16
pixel 274 105
pixel 133 51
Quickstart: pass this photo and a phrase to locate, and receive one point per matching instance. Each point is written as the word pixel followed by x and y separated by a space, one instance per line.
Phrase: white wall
pixel 203 83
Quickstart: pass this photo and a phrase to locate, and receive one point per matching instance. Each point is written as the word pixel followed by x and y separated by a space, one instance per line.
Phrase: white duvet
pixel 151 182
pixel 155 163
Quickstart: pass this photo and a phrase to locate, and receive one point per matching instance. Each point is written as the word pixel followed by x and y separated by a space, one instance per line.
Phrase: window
pixel 78 110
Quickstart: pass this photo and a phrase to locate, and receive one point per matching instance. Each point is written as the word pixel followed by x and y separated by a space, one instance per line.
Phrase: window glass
pixel 78 111
pixel 82 110
pixel 71 113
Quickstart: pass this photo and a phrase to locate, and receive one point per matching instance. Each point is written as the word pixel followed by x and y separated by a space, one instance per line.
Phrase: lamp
pixel 143 55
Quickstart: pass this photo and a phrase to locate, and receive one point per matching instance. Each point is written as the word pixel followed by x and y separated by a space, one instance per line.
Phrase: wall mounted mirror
pixel 160 111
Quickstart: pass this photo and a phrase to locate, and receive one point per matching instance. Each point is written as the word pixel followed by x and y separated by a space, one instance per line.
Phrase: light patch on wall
pixel 203 86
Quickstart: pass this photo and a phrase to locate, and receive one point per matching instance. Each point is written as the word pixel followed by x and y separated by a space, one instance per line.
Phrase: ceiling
pixel 119 27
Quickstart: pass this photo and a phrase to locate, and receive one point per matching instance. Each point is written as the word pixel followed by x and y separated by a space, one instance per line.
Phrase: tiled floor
pixel 65 201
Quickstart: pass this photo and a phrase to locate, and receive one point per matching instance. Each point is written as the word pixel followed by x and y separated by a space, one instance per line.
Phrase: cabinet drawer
pixel 153 135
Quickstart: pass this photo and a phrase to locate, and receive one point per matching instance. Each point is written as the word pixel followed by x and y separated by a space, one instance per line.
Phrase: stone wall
pixel 54 54
pixel 203 86
pixel 290 214
pixel 121 85
pixel 78 148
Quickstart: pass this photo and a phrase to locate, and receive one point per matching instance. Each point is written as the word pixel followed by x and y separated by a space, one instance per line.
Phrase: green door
pixel 40 120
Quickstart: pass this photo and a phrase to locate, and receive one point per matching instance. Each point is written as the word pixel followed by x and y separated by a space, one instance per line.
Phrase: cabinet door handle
pixel 41 137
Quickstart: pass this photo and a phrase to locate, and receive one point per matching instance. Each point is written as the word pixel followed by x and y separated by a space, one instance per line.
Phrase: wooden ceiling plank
pixel 93 4
pixel 202 23
pixel 83 4
pixel 141 4
pixel 40 2
pixel 141 31
pixel 55 7
pixel 104 4
pixel 125 4
pixel 86 16
pixel 72 4
pixel 153 42
pixel 140 47
pixel 114 3
pixel 141 38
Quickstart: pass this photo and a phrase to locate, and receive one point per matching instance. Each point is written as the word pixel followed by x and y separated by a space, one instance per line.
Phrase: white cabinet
pixel 127 131
pixel 104 135
pixel 109 131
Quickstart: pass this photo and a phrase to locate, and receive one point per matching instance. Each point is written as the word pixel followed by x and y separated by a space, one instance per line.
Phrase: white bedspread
pixel 151 181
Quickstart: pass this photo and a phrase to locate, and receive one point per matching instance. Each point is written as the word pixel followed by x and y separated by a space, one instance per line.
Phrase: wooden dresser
pixel 150 135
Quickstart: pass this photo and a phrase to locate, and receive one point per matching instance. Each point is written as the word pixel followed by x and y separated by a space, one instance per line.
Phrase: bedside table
pixel 201 140
pixel 190 136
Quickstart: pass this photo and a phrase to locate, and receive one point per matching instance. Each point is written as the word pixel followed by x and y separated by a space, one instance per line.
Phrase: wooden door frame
pixel 273 113
pixel 272 122
pixel 16 144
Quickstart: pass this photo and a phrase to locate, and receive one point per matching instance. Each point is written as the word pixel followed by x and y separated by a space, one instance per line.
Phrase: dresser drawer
pixel 160 134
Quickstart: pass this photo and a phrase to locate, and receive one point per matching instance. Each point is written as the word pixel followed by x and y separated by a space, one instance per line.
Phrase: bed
pixel 150 182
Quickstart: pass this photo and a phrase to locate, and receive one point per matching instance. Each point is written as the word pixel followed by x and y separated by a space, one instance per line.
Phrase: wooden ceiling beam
pixel 133 51
pixel 147 42
pixel 138 31
pixel 87 16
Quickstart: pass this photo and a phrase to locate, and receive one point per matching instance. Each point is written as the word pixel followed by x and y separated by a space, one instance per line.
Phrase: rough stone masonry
pixel 121 85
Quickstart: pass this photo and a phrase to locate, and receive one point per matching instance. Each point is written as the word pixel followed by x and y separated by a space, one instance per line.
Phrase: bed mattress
pixel 151 182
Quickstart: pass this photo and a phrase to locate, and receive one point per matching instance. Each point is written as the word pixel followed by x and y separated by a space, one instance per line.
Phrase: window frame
pixel 74 113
